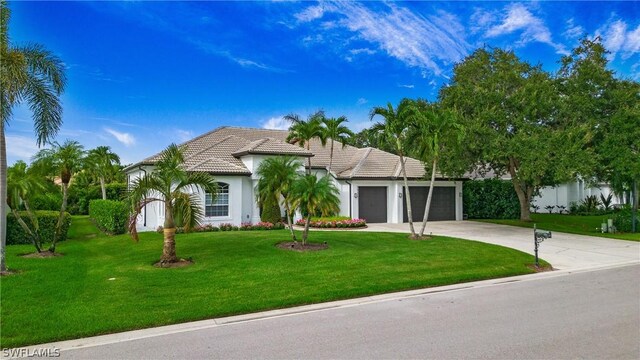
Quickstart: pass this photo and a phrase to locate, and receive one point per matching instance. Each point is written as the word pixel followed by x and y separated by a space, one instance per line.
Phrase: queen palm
pixel 63 161
pixel 277 175
pixel 302 132
pixel 334 130
pixel 33 75
pixel 101 162
pixel 177 190
pixel 393 130
pixel 312 195
pixel 22 184
pixel 432 127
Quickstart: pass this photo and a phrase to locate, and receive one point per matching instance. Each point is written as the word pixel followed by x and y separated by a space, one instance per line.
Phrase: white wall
pixel 565 194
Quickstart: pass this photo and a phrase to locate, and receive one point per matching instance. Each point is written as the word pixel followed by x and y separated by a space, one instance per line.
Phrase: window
pixel 219 206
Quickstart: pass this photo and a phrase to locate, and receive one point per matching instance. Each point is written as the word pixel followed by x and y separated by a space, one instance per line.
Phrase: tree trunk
pixel 34 223
pixel 309 158
pixel 3 197
pixel 524 196
pixel 63 209
pixel 288 214
pixel 104 188
pixel 169 244
pixel 428 206
pixel 305 233
pixel 26 229
pixel 407 197
pixel 330 159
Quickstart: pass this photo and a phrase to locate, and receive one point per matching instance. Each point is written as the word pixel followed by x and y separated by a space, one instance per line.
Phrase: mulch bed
pixel 297 246
pixel 177 264
pixel 541 268
pixel 41 255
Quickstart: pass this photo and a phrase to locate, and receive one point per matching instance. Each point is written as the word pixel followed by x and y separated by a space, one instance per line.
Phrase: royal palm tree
pixel 312 195
pixel 394 130
pixel 101 161
pixel 334 130
pixel 22 184
pixel 177 190
pixel 431 128
pixel 33 75
pixel 63 161
pixel 277 175
pixel 302 132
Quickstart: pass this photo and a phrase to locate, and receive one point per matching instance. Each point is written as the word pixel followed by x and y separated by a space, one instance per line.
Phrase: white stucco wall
pixel 573 192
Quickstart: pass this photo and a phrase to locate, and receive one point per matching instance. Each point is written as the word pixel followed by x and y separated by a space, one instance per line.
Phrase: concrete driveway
pixel 563 251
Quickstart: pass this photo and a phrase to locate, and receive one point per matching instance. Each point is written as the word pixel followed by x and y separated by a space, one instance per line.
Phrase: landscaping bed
pixel 334 223
pixel 109 284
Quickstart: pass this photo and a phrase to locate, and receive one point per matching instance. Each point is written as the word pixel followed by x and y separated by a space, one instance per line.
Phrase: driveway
pixel 563 251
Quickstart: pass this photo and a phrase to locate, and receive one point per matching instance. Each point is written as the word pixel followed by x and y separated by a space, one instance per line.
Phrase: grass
pixel 73 295
pixel 573 224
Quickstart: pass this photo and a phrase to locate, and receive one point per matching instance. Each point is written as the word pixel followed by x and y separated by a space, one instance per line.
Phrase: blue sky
pixel 144 74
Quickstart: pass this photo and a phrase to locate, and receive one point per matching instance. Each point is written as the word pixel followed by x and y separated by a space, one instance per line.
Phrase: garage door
pixel 443 203
pixel 372 203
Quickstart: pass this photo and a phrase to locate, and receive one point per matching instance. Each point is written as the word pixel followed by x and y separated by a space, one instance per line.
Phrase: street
pixel 590 314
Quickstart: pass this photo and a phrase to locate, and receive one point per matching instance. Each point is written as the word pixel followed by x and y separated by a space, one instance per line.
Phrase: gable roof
pixel 219 152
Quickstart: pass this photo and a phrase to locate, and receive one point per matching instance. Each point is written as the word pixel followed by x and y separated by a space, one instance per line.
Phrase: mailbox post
pixel 538 237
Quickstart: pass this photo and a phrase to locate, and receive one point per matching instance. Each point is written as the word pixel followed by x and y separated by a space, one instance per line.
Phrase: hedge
pixel 271 212
pixel 490 199
pixel 47 221
pixel 109 215
pixel 80 197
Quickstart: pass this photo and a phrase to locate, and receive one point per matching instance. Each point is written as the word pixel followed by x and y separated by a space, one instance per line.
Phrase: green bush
pixel 622 220
pixel 271 212
pixel 47 221
pixel 46 201
pixel 490 199
pixel 109 215
pixel 80 196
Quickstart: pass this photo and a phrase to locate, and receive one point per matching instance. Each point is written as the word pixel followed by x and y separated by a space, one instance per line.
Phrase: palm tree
pixel 393 130
pixel 334 130
pixel 61 160
pixel 277 175
pixel 302 132
pixel 178 191
pixel 312 195
pixel 28 73
pixel 101 162
pixel 430 128
pixel 22 183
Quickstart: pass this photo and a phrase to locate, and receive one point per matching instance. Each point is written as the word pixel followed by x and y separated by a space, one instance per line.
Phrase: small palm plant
pixel 312 195
pixel 23 183
pixel 62 161
pixel 336 131
pixel 606 201
pixel 302 132
pixel 277 176
pixel 177 190
pixel 101 162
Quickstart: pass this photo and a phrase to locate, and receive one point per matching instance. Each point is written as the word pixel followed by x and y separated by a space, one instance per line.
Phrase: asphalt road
pixel 594 314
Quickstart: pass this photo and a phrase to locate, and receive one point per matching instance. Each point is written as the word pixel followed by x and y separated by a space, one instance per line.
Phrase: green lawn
pixel 573 224
pixel 234 272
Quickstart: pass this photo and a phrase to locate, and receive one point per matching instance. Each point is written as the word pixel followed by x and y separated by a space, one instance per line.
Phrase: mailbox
pixel 538 237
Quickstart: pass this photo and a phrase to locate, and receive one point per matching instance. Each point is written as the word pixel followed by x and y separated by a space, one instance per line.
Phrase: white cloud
pixel 417 41
pixel 408 86
pixel 362 51
pixel 123 137
pixel 276 123
pixel 361 101
pixel 617 39
pixel 183 135
pixel 519 18
pixel 573 31
pixel 20 147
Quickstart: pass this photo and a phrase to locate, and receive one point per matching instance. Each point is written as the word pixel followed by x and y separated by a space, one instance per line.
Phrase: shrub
pixel 46 201
pixel 109 215
pixel 80 197
pixel 333 224
pixel 230 227
pixel 622 220
pixel 271 212
pixel 490 199
pixel 47 221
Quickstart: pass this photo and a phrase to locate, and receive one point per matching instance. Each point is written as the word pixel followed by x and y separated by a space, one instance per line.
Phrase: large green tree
pixel 277 175
pixel 336 131
pixel 33 75
pixel 303 131
pixel 102 162
pixel 314 195
pixel 61 161
pixel 177 190
pixel 511 111
pixel 432 129
pixel 394 131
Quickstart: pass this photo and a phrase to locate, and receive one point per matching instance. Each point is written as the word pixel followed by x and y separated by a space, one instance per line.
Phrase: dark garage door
pixel 372 203
pixel 443 204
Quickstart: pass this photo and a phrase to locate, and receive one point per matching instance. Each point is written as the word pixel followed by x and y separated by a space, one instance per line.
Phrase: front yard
pixel 107 284
pixel 573 224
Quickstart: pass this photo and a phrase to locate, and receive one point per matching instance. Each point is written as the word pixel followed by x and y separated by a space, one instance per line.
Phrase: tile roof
pixel 219 152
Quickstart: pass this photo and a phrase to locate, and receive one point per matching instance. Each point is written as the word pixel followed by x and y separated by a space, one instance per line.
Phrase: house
pixel 369 180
